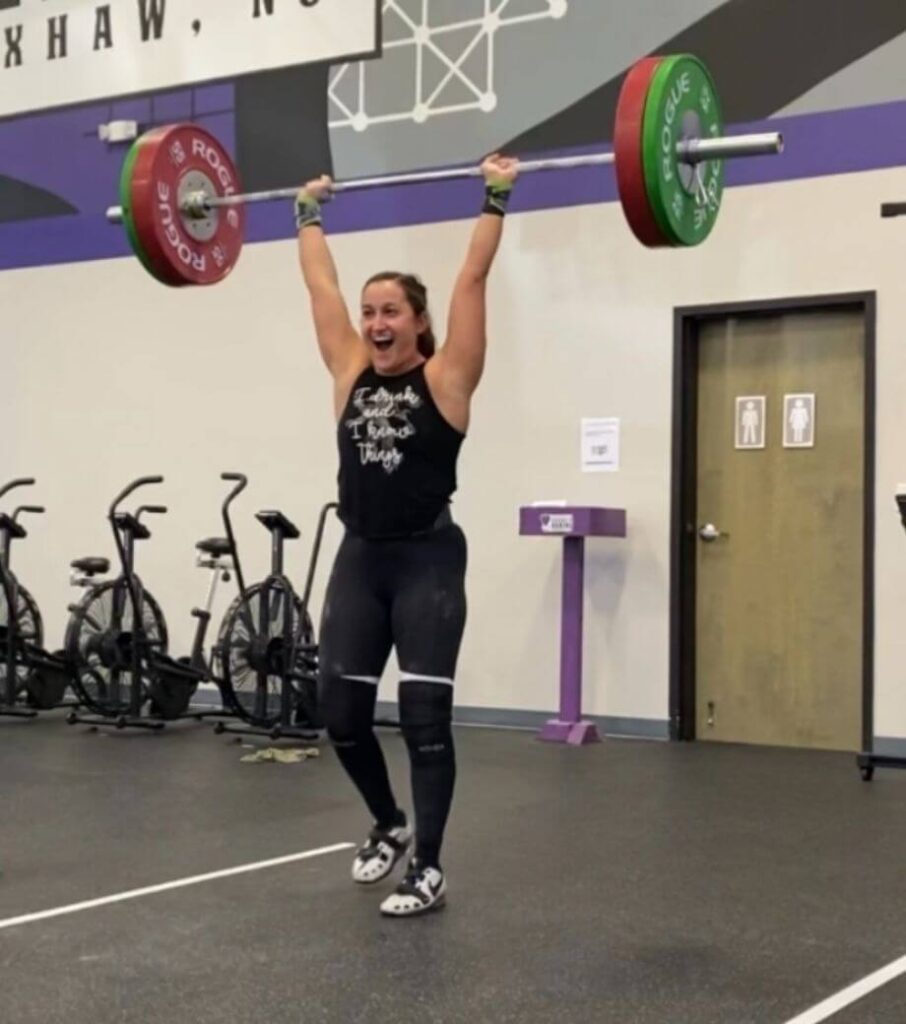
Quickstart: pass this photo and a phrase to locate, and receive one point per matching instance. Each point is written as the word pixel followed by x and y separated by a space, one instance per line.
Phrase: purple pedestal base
pixel 575 733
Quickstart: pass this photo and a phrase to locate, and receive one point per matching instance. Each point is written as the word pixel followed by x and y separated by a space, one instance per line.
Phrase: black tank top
pixel 397 456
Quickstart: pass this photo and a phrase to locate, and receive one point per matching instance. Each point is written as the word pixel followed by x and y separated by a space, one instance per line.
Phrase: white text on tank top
pixel 382 423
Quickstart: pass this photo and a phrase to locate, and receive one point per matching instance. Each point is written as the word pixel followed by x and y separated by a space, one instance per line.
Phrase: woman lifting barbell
pixel 402 412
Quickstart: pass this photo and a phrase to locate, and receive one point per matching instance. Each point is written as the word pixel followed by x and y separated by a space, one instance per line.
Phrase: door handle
pixel 710 533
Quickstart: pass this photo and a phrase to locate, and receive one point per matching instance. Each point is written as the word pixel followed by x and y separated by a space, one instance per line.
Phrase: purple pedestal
pixel 573 524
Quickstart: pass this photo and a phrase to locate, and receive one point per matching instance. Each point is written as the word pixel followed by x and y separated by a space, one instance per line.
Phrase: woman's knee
pixel 426 716
pixel 347 707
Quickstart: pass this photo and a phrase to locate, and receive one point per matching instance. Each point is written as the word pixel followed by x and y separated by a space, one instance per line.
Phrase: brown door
pixel 779 556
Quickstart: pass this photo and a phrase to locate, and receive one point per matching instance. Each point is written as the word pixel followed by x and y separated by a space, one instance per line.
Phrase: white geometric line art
pixel 449 67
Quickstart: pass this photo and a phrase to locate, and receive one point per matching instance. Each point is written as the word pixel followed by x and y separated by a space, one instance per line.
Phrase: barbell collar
pixel 730 147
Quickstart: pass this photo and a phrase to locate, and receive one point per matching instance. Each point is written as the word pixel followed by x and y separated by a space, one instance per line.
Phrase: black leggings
pixel 409 594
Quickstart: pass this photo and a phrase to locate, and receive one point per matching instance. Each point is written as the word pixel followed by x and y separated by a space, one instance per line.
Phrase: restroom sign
pixel 750 421
pixel 799 421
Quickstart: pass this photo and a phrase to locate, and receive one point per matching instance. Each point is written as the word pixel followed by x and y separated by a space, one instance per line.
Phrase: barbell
pixel 184 212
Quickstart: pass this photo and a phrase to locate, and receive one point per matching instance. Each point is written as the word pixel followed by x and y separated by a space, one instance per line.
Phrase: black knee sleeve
pixel 426 715
pixel 348 711
pixel 347 708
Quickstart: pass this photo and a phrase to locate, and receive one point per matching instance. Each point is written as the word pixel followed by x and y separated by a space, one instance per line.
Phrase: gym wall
pixel 108 375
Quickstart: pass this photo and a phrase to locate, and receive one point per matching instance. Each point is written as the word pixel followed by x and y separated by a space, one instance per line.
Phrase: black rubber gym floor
pixel 630 882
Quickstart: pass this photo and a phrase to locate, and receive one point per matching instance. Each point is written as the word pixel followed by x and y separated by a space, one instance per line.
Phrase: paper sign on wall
pixel 600 444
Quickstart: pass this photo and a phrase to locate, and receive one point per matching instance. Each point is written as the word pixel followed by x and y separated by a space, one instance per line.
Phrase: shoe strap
pixel 377 835
pixel 408 886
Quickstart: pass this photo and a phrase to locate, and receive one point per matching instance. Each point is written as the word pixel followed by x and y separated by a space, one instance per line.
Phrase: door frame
pixel 683 538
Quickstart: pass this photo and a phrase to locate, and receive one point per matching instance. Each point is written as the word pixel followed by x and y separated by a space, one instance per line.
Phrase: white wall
pixel 107 374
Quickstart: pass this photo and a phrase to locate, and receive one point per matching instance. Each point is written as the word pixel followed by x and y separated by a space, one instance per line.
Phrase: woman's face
pixel 390 327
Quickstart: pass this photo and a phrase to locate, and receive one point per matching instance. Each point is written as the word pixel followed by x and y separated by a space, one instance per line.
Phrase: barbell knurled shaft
pixel 691 150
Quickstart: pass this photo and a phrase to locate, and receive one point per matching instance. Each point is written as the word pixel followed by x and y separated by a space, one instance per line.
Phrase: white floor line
pixel 841 1000
pixel 150 890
